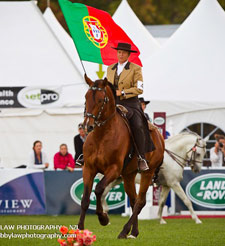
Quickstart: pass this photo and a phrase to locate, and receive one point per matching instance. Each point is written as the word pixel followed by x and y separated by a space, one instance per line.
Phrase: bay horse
pixel 106 146
pixel 186 148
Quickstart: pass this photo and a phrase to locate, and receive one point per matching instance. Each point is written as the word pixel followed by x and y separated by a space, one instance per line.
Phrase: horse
pixel 186 147
pixel 106 146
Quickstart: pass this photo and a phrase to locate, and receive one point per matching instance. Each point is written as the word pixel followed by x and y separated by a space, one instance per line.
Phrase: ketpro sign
pixel 29 97
pixel 115 198
pixel 208 190
pixel 36 97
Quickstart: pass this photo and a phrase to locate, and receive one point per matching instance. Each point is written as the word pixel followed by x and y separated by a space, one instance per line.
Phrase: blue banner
pixel 22 191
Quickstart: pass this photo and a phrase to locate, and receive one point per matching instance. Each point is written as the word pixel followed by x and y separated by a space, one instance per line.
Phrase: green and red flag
pixel 94 33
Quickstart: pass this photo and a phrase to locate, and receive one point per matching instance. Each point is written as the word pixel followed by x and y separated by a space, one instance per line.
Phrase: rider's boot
pixel 142 164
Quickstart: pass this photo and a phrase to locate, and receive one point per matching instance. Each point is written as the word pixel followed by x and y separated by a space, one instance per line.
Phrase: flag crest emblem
pixel 95 32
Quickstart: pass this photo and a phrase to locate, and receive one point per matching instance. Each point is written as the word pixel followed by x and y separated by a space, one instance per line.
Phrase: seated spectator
pixel 78 144
pixel 38 159
pixel 63 159
pixel 217 153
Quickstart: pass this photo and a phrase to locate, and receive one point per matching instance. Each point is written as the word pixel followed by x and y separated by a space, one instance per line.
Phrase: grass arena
pixel 179 232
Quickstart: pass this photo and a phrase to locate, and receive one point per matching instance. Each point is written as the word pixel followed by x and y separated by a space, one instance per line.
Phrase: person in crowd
pixel 79 140
pixel 217 153
pixel 38 158
pixel 143 106
pixel 64 160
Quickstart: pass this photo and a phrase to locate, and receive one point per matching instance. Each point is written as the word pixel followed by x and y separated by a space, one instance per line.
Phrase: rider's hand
pixel 118 93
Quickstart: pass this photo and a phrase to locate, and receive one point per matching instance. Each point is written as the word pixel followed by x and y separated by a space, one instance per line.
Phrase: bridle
pixel 96 118
pixel 190 162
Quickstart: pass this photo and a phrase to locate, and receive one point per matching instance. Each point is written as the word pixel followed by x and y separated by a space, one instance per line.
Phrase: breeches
pixel 136 123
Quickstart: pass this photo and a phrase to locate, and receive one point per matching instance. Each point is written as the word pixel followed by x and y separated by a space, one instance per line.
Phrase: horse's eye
pixel 100 100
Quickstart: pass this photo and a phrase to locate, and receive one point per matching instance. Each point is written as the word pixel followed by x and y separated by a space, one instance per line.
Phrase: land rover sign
pixel 115 198
pixel 208 190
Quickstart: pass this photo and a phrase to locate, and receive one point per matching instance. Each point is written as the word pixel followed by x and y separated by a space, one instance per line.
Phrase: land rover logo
pixel 115 198
pixel 37 97
pixel 159 121
pixel 208 190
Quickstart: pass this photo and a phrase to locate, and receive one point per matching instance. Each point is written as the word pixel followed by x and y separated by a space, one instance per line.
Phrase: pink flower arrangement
pixel 76 237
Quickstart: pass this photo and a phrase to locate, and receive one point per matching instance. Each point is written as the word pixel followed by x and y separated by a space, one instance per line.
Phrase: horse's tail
pixel 156 174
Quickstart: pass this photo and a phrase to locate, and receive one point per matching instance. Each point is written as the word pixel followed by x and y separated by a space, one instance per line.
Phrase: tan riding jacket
pixel 131 79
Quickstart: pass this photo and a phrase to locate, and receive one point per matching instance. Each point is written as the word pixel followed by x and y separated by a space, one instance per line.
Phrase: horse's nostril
pixel 90 128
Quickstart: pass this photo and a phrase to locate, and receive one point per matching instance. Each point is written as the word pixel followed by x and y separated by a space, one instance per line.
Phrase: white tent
pixel 32 56
pixel 186 77
pixel 129 22
pixel 64 38
pixel 192 60
pixel 30 53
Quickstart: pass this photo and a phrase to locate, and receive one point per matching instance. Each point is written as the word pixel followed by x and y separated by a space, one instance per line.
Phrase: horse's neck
pixel 180 145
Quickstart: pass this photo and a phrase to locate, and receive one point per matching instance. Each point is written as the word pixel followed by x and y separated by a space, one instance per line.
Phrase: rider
pixel 127 79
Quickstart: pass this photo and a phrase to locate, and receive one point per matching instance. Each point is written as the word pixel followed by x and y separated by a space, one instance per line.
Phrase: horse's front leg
pixel 129 186
pixel 111 174
pixel 88 177
pixel 146 180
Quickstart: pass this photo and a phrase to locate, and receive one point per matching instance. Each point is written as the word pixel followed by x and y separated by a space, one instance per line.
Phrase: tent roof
pixel 31 55
pixel 129 22
pixel 190 66
pixel 64 38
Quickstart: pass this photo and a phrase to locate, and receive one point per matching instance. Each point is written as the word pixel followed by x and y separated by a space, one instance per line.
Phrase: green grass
pixel 178 232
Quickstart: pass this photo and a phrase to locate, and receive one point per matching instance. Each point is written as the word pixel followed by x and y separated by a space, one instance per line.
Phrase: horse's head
pixel 196 154
pixel 99 98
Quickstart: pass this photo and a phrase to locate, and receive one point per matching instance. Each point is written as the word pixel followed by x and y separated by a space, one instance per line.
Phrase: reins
pixel 178 159
pixel 96 118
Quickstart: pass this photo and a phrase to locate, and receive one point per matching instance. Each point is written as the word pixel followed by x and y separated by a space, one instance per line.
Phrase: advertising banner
pixel 65 190
pixel 160 121
pixel 30 97
pixel 22 191
pixel 206 190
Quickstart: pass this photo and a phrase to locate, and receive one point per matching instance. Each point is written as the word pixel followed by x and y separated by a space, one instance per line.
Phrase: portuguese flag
pixel 95 33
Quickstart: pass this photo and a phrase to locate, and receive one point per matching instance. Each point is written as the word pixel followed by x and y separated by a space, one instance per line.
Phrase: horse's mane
pixel 112 87
pixel 184 133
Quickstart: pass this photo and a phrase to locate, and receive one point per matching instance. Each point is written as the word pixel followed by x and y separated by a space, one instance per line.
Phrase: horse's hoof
pixel 198 221
pixel 163 222
pixel 103 219
pixel 131 237
pixel 80 227
pixel 122 236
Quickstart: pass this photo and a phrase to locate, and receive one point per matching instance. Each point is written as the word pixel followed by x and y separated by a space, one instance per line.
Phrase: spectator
pixel 38 159
pixel 78 143
pixel 217 153
pixel 143 106
pixel 63 159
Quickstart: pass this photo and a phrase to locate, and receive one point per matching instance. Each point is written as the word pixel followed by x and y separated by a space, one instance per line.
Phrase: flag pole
pixel 82 64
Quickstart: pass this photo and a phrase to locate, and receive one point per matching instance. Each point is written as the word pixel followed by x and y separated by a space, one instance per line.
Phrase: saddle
pixel 123 112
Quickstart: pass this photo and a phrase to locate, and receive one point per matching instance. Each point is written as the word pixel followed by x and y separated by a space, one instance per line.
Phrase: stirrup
pixel 80 160
pixel 142 164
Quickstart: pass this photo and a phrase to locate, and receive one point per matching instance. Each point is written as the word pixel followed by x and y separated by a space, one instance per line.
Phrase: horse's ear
pixel 88 81
pixel 105 82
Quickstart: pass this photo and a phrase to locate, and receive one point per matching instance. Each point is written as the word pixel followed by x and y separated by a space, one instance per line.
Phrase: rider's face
pixel 122 56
